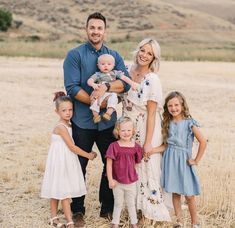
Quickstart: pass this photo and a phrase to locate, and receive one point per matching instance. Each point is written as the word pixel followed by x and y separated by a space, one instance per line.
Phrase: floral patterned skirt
pixel 150 197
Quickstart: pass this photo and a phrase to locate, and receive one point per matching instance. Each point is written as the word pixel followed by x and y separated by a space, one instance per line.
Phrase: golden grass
pixel 172 51
pixel 5 177
pixel 26 91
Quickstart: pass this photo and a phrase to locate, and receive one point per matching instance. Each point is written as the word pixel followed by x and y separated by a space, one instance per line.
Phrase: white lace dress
pixel 63 177
pixel 150 199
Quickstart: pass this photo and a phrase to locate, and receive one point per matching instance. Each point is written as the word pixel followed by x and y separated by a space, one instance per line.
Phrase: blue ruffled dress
pixel 177 176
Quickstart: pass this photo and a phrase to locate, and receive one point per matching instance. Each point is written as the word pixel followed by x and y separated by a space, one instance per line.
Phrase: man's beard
pixel 100 40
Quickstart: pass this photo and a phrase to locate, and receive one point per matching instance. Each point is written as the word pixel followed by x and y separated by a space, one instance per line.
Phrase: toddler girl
pixel 122 156
pixel 63 178
pixel 178 166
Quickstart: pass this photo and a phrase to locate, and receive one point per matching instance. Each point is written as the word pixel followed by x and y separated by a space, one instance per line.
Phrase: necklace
pixel 138 74
pixel 141 75
pixel 141 72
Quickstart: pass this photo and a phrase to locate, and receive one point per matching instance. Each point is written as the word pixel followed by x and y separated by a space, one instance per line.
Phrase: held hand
pixel 92 155
pixel 147 151
pixel 134 86
pixel 148 154
pixel 192 162
pixel 112 184
pixel 147 148
pixel 95 86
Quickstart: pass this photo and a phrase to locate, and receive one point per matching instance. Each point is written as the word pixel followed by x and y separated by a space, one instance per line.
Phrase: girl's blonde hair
pixel 167 117
pixel 155 64
pixel 121 120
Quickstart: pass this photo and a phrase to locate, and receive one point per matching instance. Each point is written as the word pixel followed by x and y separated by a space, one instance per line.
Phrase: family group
pixel 146 153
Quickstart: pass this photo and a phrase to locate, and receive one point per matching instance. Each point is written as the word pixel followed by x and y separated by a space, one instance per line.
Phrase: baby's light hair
pixel 121 120
pixel 60 97
pixel 106 55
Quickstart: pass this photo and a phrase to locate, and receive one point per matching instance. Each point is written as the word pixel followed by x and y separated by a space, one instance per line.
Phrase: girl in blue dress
pixel 178 166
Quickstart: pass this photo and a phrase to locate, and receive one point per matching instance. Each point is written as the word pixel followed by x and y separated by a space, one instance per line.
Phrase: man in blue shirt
pixel 79 64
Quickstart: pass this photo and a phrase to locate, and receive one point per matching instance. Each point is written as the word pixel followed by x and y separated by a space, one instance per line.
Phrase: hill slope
pixel 133 19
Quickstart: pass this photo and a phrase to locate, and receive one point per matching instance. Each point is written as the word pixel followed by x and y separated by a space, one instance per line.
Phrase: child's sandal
pixel 58 225
pixel 178 225
pixel 106 117
pixel 69 224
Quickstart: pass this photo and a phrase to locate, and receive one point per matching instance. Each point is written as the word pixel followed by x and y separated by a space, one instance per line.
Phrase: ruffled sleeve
pixel 139 153
pixel 192 123
pixel 118 74
pixel 152 89
pixel 111 152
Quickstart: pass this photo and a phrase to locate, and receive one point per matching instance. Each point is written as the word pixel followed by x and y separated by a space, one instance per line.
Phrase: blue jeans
pixel 85 138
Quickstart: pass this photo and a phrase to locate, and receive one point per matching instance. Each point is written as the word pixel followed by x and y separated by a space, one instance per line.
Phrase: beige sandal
pixel 58 225
pixel 106 117
pixel 196 226
pixel 96 119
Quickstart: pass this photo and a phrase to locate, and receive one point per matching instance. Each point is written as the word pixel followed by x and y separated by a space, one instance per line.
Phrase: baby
pixel 106 63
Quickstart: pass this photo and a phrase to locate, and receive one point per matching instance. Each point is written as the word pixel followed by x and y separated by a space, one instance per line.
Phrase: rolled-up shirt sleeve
pixel 72 73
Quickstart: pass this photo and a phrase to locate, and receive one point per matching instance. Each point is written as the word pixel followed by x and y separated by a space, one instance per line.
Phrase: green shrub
pixel 5 19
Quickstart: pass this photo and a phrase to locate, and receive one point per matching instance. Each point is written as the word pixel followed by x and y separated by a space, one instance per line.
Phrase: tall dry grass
pixel 171 51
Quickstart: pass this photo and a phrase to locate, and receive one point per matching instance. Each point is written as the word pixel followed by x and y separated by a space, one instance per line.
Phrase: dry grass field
pixel 27 118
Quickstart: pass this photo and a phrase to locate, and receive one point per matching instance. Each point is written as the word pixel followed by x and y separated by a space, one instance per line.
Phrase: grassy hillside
pixel 195 30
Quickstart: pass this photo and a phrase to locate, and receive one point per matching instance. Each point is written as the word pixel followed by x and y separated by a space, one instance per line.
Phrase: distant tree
pixel 5 19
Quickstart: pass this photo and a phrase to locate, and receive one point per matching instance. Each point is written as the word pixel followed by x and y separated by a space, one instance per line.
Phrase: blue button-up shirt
pixel 79 64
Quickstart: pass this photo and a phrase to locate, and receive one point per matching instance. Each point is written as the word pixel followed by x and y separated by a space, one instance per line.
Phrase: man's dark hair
pixel 96 15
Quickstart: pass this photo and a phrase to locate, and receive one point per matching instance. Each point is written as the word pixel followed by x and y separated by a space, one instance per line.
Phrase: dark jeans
pixel 85 138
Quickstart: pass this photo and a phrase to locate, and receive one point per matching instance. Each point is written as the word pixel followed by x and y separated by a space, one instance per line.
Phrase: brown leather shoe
pixel 107 215
pixel 106 117
pixel 79 220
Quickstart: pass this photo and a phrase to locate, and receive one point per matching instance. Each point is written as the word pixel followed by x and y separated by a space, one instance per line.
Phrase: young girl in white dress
pixel 63 178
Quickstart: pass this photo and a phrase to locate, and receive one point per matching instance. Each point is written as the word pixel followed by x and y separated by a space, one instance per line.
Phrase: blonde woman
pixel 146 105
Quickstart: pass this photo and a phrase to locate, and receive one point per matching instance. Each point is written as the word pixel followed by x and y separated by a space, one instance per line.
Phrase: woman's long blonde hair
pixel 167 117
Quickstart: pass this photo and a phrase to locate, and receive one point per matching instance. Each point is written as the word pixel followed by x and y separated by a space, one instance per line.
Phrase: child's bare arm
pixel 126 79
pixel 158 149
pixel 91 82
pixel 63 132
pixel 109 170
pixel 202 146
